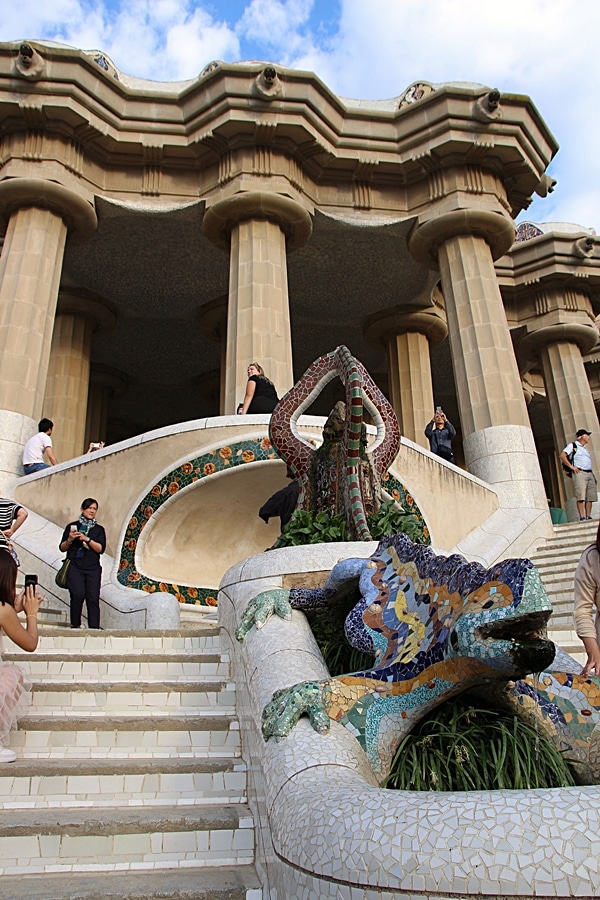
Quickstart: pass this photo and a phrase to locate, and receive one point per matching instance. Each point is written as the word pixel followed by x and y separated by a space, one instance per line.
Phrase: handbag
pixel 60 579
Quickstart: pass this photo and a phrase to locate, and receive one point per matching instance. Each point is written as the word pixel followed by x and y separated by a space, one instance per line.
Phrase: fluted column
pixel 560 349
pixel 569 396
pixel 407 334
pixel 40 215
pixel 257 228
pixel 497 438
pixel 104 383
pixel 79 315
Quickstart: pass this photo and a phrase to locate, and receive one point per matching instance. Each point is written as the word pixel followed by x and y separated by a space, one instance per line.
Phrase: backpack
pixel 570 456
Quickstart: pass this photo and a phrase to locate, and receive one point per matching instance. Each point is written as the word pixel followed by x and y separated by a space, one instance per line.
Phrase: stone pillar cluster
pixel 79 315
pixel 40 215
pixel 257 229
pixel 497 438
pixel 407 335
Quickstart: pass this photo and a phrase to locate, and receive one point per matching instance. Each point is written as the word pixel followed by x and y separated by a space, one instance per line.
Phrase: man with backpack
pixel 577 463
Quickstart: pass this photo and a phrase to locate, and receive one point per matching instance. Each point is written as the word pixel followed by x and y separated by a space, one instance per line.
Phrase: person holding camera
pixel 14 693
pixel 440 433
pixel 84 541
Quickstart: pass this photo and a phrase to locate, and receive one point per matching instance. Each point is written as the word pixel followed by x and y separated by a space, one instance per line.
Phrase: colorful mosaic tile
pixel 242 453
pixel 526 231
pixel 435 625
pixel 359 468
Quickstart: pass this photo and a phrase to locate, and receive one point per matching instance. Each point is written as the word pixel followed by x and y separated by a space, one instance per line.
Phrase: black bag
pixel 570 456
pixel 60 578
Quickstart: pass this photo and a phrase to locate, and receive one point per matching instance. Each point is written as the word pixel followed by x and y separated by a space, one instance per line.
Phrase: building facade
pixel 159 237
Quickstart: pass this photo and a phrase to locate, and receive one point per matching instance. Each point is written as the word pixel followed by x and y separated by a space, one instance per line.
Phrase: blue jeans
pixel 34 467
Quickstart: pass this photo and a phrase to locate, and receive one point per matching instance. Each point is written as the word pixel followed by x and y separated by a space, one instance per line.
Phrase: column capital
pixel 107 377
pixel 386 324
pixel 584 336
pixel 291 216
pixel 81 302
pixel 494 227
pixel 76 211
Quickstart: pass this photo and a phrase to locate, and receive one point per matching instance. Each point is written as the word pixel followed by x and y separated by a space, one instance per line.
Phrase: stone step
pixel 52 783
pixel 194 883
pixel 48 616
pixel 125 736
pixel 77 666
pixel 99 840
pixel 557 570
pixel 121 696
pixel 116 642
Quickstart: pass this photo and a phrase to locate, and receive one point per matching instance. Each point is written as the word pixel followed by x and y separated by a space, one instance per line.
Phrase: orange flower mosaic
pixel 195 470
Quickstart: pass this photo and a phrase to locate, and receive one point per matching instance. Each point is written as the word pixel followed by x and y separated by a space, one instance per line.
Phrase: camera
pixel 31 581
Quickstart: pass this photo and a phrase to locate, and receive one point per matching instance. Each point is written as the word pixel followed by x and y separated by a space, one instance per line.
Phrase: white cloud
pixel 275 23
pixel 543 48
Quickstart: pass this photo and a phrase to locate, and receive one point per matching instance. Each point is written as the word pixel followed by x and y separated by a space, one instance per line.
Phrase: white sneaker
pixel 7 756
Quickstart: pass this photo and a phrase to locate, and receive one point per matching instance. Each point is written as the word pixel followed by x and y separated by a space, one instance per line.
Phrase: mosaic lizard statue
pixel 436 626
pixel 344 475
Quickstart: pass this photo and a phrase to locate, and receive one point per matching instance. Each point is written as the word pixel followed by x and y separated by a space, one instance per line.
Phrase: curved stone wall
pixel 328 831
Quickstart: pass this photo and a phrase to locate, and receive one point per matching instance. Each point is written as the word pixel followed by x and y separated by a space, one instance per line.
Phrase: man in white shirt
pixel 38 446
pixel 584 481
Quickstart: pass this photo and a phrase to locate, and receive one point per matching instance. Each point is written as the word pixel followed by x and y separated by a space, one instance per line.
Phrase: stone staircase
pixel 129 782
pixel 557 562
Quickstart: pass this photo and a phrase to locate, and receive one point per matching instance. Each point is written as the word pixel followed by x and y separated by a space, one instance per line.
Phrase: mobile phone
pixel 72 527
pixel 438 409
pixel 31 580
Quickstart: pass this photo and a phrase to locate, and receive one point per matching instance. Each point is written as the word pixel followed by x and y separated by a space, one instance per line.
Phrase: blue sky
pixel 547 49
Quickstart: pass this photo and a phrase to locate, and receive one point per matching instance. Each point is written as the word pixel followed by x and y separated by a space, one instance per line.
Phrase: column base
pixel 15 431
pixel 505 457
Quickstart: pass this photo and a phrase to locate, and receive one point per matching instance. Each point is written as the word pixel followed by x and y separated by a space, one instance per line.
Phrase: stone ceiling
pixel 158 270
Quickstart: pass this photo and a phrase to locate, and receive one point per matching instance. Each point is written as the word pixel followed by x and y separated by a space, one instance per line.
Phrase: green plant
pixel 391 519
pixel 306 527
pixel 461 748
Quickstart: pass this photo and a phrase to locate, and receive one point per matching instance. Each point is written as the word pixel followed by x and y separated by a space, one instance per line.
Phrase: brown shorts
pixel 585 486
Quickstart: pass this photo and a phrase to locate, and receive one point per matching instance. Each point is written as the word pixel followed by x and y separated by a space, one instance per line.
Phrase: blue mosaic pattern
pixel 435 626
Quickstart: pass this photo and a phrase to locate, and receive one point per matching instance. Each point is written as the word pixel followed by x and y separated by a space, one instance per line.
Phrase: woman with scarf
pixel 84 541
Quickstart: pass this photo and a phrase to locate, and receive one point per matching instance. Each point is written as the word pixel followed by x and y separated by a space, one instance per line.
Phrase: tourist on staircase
pixel 14 693
pixel 577 463
pixel 586 612
pixel 84 541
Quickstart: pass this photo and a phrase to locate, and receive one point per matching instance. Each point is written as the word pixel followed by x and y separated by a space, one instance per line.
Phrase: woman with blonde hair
pixel 261 396
pixel 14 693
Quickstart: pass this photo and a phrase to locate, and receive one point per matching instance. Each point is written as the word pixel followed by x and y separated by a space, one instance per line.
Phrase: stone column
pixel 257 228
pixel 568 391
pixel 407 334
pixel 105 382
pixel 80 314
pixel 497 438
pixel 40 214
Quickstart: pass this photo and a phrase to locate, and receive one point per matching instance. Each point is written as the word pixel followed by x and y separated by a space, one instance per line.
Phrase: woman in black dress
pixel 84 541
pixel 261 396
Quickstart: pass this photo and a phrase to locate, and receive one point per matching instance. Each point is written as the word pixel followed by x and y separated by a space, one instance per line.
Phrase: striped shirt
pixel 8 512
